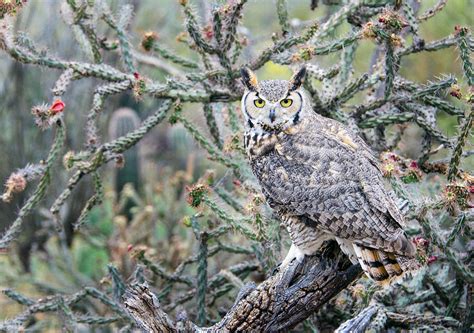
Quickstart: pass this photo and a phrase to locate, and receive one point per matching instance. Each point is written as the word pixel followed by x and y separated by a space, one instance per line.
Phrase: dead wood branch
pixel 277 304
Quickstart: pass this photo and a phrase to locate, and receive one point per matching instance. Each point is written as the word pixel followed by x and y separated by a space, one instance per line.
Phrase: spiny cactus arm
pixel 201 278
pixel 17 297
pixel 387 119
pixel 410 10
pixel 417 93
pixel 214 152
pixel 348 91
pixel 458 149
pixel 371 317
pixel 108 73
pixel 107 152
pixel 336 19
pixel 165 53
pixel 277 304
pixel 125 45
pixel 61 199
pixel 160 90
pixel 25 56
pixel 215 233
pixel 62 304
pixel 427 94
pixel 326 48
pixel 390 68
pixel 433 11
pixel 429 47
pixel 282 12
pixel 281 46
pixel 161 272
pixel 464 272
pixel 98 99
pixel 84 30
pixel 40 190
pixel 106 300
pixel 462 34
pixel 93 201
pixel 209 114
pixel 238 225
pixel 164 66
pixel 429 129
pixel 123 143
pixel 218 285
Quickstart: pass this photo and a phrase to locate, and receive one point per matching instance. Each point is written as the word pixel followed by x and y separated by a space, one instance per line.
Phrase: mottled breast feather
pixel 325 173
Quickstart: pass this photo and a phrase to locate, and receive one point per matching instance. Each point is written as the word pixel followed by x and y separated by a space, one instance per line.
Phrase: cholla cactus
pixel 220 237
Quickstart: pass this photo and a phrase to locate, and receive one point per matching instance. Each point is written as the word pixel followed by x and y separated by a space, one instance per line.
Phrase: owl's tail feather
pixel 381 266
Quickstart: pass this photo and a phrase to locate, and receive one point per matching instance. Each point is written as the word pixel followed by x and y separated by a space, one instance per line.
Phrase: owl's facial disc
pixel 272 112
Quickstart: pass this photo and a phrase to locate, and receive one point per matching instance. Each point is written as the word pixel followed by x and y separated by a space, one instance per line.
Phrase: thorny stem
pixel 40 190
pixel 213 80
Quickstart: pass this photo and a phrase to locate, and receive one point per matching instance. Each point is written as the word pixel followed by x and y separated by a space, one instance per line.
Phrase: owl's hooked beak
pixel 272 115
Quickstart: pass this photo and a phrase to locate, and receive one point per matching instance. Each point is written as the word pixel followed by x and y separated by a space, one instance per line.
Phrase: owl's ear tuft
pixel 297 79
pixel 249 79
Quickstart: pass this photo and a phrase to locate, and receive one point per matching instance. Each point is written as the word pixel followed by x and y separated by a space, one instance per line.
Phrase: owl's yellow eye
pixel 286 103
pixel 259 103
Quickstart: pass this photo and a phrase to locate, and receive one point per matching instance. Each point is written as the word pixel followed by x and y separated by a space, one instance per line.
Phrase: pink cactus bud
pixel 432 259
pixel 57 107
pixel 420 241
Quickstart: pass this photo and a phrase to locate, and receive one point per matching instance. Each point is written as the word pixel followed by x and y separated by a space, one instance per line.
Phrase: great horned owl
pixel 321 179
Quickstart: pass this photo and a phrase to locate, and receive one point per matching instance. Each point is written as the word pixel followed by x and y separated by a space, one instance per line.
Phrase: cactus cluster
pixel 172 234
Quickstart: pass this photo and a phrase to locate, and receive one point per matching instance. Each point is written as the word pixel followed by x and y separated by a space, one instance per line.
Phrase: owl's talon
pixel 289 266
pixel 293 253
pixel 288 274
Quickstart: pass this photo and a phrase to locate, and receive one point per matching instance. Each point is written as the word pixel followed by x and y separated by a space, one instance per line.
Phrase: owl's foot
pixel 293 253
pixel 289 267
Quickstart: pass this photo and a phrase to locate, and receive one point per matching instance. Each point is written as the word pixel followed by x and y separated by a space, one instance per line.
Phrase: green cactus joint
pixel 139 86
pixel 421 256
pixel 456 194
pixel 196 194
pixel 392 21
pixel 68 160
pixel 411 177
pixel 174 117
pixel 149 39
pixel 306 53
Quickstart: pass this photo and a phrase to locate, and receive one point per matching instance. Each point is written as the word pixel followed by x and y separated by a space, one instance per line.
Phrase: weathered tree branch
pixel 143 306
pixel 277 304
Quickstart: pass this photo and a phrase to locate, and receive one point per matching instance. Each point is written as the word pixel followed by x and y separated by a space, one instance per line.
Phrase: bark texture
pixel 277 304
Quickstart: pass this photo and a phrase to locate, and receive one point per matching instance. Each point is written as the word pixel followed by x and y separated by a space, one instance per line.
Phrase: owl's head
pixel 273 105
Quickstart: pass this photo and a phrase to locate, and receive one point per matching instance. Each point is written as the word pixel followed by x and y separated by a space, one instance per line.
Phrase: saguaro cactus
pixel 122 122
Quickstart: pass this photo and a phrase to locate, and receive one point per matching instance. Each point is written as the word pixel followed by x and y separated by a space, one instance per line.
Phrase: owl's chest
pixel 276 157
pixel 257 143
pixel 277 172
pixel 291 170
pixel 282 181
